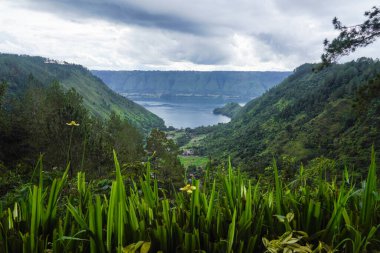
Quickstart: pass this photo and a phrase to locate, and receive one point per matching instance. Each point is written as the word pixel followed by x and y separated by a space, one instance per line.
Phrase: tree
pixel 125 139
pixel 352 37
pixel 44 112
pixel 3 86
pixel 167 167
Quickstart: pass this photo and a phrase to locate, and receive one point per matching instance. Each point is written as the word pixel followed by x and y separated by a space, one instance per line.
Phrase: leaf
pixel 145 247
pixel 231 232
pixel 265 242
pixel 293 240
pixel 290 217
pixel 281 218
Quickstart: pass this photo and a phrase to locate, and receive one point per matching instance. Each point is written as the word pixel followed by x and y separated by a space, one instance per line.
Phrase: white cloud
pixel 168 34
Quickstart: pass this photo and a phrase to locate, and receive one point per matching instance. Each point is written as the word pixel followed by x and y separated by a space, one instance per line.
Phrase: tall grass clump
pixel 224 212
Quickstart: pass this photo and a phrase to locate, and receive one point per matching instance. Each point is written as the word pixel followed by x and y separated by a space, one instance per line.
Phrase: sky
pixel 247 35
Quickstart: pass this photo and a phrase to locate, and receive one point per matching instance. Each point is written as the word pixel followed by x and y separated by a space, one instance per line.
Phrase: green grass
pixel 195 140
pixel 175 134
pixel 198 161
pixel 225 212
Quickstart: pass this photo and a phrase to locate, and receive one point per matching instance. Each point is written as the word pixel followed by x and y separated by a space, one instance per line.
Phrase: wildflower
pixel 72 123
pixel 188 188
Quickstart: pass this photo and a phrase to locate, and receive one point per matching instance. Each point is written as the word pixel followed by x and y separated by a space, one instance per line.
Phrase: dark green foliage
pixel 3 87
pixel 22 72
pixel 230 110
pixel 35 122
pixel 183 139
pixel 352 37
pixel 125 139
pixel 332 113
pixel 170 84
pixel 164 159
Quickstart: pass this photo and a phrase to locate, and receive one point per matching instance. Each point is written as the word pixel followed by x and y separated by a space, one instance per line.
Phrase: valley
pixel 189 126
pixel 277 155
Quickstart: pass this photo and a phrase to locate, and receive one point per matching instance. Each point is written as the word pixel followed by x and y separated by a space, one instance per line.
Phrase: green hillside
pixel 235 84
pixel 230 109
pixel 333 113
pixel 19 71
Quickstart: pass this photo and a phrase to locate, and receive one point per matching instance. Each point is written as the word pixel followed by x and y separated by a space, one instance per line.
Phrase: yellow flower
pixel 72 123
pixel 185 188
pixel 188 188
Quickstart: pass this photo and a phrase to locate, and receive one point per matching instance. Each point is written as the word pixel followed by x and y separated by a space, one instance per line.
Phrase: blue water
pixel 187 113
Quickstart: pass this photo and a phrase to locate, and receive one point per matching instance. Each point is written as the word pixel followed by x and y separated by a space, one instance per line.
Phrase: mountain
pixel 230 84
pixel 333 113
pixel 18 71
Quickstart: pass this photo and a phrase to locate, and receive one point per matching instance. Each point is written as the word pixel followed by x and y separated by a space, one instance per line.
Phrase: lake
pixel 184 112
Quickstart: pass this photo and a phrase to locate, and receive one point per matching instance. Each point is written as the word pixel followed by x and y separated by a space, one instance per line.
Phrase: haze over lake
pixel 184 112
pixel 187 98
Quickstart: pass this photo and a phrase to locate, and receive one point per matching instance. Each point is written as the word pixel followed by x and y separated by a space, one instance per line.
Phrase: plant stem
pixel 84 151
pixel 68 158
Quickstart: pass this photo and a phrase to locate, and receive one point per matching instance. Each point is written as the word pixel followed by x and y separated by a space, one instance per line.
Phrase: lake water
pixel 183 113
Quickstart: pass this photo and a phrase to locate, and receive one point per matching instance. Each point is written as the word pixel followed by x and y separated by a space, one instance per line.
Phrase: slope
pixel 230 109
pixel 333 113
pixel 100 100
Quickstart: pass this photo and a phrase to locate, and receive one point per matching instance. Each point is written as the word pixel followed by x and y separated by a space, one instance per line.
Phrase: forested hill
pixel 176 83
pixel 20 71
pixel 333 113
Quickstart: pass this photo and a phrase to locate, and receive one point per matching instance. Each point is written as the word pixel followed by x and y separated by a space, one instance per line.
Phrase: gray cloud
pixel 278 44
pixel 125 12
pixel 172 34
pixel 175 47
pixel 200 51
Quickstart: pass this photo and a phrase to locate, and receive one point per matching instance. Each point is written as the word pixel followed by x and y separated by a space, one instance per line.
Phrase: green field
pixel 198 161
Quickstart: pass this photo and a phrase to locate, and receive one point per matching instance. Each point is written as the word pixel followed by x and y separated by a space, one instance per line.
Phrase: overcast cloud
pixel 184 35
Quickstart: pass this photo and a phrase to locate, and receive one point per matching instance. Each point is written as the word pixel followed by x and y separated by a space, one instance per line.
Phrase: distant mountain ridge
pixel 99 99
pixel 230 84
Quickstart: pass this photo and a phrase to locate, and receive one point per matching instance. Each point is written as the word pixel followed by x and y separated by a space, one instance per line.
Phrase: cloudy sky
pixel 176 34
